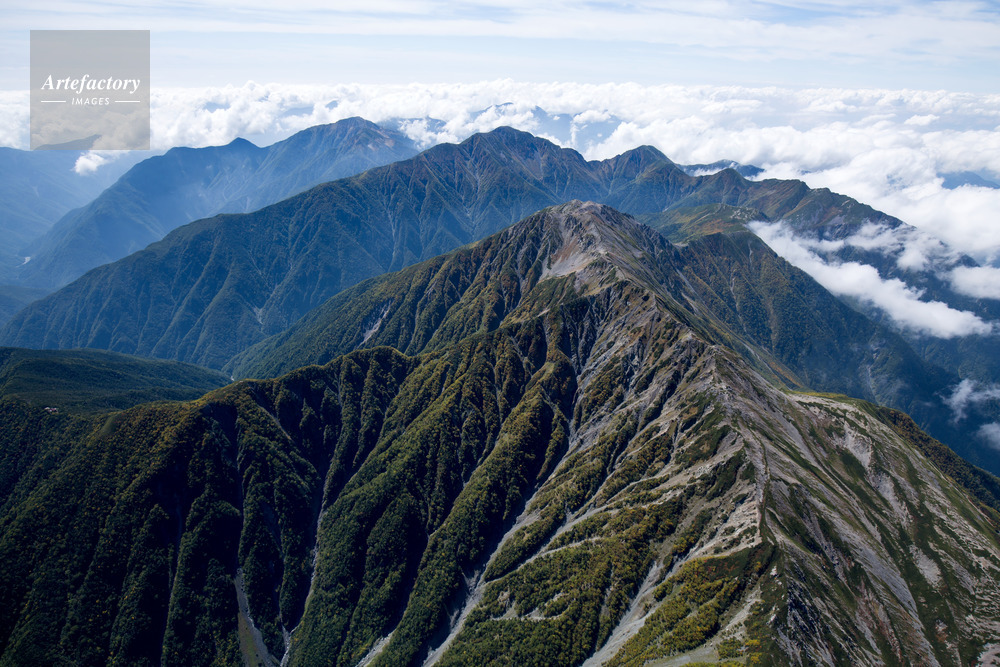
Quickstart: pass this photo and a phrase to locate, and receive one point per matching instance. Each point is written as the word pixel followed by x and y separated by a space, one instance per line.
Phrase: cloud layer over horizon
pixel 891 149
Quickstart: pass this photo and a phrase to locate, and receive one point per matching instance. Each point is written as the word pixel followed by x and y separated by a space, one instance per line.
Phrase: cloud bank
pixel 982 282
pixel 890 149
pixel 863 282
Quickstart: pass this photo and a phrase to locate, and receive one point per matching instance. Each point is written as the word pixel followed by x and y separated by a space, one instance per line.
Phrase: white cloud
pixel 968 393
pixel 921 120
pixel 91 161
pixel 991 434
pixel 856 143
pixel 912 248
pixel 863 282
pixel 981 282
pixel 14 119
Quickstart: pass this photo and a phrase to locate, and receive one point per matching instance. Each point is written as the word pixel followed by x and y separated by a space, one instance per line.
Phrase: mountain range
pixel 547 447
pixel 185 184
pixel 214 288
pixel 273 265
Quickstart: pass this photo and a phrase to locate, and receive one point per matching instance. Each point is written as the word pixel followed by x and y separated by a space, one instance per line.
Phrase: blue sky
pixel 840 43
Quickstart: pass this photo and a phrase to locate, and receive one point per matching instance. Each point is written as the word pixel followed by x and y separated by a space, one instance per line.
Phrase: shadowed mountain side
pixel 98 381
pixel 37 188
pixel 840 230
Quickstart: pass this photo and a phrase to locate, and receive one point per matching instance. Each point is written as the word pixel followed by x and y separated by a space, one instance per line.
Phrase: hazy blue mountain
pixel 164 192
pixel 744 170
pixel 575 471
pixel 957 179
pixel 37 188
pixel 15 297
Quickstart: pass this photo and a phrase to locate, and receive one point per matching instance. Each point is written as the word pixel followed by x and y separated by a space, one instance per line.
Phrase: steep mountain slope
pixel 817 340
pixel 594 482
pixel 778 318
pixel 96 381
pixel 164 192
pixel 839 230
pixel 899 252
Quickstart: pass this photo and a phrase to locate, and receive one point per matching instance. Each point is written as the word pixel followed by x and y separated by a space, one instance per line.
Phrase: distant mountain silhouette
pixel 185 184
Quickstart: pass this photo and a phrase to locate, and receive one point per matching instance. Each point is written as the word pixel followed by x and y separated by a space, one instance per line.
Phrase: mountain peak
pixel 353 130
pixel 345 125
pixel 647 153
pixel 507 137
pixel 585 232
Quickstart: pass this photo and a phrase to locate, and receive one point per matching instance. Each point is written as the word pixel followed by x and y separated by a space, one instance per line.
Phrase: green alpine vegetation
pixel 780 319
pixel 215 288
pixel 561 460
pixel 98 381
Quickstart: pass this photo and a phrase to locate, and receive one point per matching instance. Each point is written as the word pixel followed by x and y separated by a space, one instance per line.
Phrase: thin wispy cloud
pixel 991 434
pixel 761 29
pixel 970 393
pixel 965 398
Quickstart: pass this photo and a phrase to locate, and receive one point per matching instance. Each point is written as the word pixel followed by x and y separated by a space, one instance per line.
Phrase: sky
pixel 830 43
pixel 880 100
